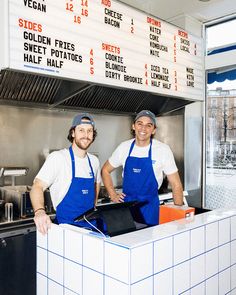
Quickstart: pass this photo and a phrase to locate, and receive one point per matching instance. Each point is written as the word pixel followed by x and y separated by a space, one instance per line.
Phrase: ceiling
pixel 202 11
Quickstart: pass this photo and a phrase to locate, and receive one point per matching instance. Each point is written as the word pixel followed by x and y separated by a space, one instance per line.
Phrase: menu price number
pixel 146 74
pixel 106 3
pixel 70 7
pixel 132 26
pixel 175 81
pixel 174 48
pixel 84 11
pixel 77 19
pixel 195 49
pixel 91 62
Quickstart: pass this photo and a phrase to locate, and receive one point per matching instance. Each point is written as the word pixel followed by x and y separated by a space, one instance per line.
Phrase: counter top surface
pixel 158 232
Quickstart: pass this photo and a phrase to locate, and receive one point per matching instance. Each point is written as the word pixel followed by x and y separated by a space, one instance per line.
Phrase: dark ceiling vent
pixel 37 91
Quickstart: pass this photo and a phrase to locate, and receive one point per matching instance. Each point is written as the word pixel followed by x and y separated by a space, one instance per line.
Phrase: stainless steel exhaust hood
pixel 23 89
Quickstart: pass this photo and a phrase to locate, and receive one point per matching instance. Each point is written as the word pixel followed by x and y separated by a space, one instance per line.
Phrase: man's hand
pixel 42 221
pixel 118 198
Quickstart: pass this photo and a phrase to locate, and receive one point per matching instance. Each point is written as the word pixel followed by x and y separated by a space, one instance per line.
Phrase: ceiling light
pixel 204 0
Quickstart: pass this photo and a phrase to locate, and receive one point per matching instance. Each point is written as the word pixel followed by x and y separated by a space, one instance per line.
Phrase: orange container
pixel 172 212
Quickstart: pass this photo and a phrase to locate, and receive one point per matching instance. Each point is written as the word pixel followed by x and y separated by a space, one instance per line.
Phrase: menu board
pixel 105 42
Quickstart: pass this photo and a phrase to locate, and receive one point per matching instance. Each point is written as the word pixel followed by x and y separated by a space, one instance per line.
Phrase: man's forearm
pixel 37 197
pixel 177 188
pixel 107 180
pixel 177 193
pixel 97 189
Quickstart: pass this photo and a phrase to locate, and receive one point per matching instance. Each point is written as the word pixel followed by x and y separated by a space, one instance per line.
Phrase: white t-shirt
pixel 162 157
pixel 56 172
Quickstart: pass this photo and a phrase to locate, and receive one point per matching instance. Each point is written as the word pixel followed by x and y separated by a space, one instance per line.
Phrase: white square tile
pixel 233 252
pixel 224 282
pixel 163 254
pixel 212 285
pixel 224 256
pixel 199 290
pixel 181 277
pixel 212 236
pixel 163 283
pixel 42 240
pixel 212 263
pixel 233 276
pixel 117 262
pixel 42 285
pixel 141 262
pixel 181 247
pixel 197 238
pixel 92 282
pixel 73 246
pixel 68 292
pixel 55 267
pixel 224 231
pixel 197 270
pixel 93 252
pixel 54 288
pixel 233 227
pixel 114 287
pixel 55 239
pixel 42 261
pixel 143 287
pixel 73 276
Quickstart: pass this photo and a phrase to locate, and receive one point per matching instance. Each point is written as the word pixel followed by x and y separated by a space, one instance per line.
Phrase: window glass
pixel 221 35
pixel 221 124
pixel 221 147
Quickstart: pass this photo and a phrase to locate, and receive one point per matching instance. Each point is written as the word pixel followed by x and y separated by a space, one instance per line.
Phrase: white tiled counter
pixel 189 257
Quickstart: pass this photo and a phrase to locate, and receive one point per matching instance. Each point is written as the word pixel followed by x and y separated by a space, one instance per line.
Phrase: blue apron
pixel 79 198
pixel 140 184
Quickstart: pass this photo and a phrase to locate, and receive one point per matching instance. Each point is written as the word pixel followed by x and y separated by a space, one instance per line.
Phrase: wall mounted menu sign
pixel 105 41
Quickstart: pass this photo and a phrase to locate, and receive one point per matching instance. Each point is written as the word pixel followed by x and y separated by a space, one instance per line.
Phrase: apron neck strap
pixel 131 147
pixel 90 165
pixel 149 152
pixel 73 163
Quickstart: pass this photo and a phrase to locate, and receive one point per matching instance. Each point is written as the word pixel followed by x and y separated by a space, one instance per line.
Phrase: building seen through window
pixel 220 174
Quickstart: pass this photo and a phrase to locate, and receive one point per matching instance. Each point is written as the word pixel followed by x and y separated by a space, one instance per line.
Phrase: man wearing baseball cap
pixel 72 175
pixel 144 161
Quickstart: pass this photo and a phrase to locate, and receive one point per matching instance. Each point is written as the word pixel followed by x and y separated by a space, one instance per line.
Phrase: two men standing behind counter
pixel 73 175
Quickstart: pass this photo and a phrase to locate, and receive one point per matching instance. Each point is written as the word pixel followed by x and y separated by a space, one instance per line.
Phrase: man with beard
pixel 72 175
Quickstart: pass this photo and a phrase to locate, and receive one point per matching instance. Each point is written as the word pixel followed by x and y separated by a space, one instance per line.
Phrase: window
pixel 220 182
pixel 219 36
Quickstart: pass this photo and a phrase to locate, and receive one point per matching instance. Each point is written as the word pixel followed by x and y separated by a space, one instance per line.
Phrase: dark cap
pixel 79 119
pixel 146 113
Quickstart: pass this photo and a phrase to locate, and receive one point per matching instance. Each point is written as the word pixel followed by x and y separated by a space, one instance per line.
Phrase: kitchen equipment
pixel 20 197
pixel 18 258
pixel 13 172
pixel 9 212
pixel 2 208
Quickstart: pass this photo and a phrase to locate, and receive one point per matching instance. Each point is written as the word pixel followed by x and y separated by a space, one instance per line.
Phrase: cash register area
pixel 190 256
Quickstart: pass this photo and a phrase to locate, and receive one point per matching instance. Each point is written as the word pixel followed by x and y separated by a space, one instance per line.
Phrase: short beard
pixel 82 147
